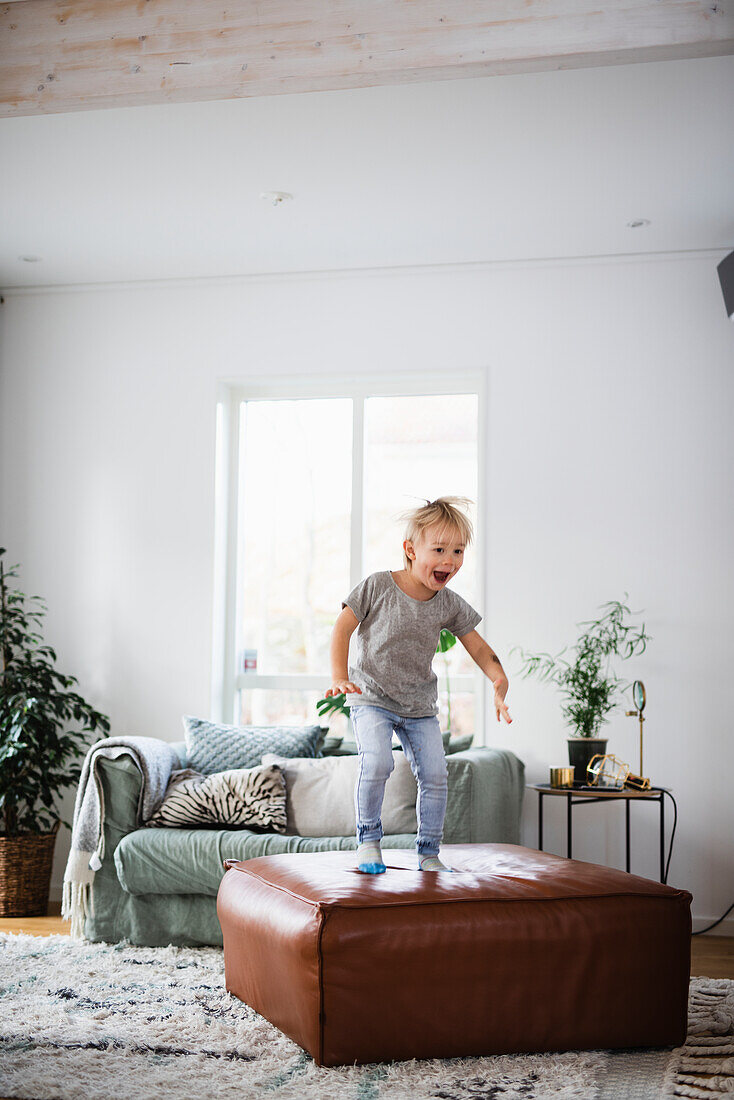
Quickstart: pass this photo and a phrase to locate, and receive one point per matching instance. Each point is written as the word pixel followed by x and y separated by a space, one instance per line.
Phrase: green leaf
pixel 334 704
pixel 446 641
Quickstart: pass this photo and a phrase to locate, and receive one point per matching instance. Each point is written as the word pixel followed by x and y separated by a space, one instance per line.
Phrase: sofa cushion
pixel 331 746
pixel 320 795
pixel 190 861
pixel 460 743
pixel 213 747
pixel 243 796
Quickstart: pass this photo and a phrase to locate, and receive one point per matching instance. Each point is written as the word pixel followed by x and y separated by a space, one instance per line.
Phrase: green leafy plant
pixel 446 641
pixel 335 704
pixel 589 686
pixel 37 749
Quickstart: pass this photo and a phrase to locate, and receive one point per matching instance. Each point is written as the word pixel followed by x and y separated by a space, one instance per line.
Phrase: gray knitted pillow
pixel 211 747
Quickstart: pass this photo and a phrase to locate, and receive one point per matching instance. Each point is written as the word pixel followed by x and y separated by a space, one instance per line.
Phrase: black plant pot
pixel 580 752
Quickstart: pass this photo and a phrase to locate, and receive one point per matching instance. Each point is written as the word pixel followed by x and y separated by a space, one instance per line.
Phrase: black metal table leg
pixel 656 792
pixel 663 876
pixel 627 815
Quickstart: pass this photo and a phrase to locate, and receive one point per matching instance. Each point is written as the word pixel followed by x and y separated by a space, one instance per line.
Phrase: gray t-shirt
pixel 395 643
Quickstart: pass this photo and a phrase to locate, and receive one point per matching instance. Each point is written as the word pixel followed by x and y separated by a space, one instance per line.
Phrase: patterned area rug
pixel 98 1021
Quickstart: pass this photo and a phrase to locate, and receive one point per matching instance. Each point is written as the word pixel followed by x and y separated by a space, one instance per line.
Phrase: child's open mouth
pixel 441 577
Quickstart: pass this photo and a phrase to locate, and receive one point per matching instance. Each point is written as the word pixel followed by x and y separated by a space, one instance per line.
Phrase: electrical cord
pixel 702 930
pixel 675 822
pixel 667 866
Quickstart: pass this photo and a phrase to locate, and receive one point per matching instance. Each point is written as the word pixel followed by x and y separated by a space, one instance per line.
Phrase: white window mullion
pixel 482 686
pixel 254 681
pixel 233 535
pixel 225 557
pixel 356 555
pixel 218 691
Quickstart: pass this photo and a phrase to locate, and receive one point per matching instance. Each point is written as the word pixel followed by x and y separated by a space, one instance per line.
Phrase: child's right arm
pixel 344 627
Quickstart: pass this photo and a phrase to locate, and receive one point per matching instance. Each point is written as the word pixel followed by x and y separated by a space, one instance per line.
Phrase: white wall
pixel 611 388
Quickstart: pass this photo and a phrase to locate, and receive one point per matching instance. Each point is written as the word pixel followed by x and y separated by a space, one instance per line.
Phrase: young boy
pixel 391 685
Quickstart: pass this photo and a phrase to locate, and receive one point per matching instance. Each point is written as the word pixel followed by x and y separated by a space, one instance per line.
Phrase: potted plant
pixel 446 641
pixel 587 683
pixel 36 750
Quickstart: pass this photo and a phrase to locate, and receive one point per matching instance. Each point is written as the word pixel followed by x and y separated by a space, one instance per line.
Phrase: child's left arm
pixel 489 663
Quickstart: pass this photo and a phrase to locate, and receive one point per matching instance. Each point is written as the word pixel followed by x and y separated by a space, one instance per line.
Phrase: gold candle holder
pixel 561 777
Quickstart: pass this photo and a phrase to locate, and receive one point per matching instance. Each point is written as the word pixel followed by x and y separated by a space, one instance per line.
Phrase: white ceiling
pixel 537 165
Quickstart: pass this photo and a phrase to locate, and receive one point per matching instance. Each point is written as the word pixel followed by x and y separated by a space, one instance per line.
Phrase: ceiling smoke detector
pixel 276 197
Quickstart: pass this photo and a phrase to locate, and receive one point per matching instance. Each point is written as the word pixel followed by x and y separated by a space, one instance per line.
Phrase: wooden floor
pixel 711 956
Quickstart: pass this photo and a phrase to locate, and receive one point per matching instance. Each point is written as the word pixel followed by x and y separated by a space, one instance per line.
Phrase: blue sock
pixel 369 858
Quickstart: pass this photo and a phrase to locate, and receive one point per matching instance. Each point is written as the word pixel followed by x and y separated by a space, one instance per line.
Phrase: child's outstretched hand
pixel 500 690
pixel 341 687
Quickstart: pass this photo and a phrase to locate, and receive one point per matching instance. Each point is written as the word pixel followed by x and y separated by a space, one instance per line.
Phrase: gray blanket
pixel 156 760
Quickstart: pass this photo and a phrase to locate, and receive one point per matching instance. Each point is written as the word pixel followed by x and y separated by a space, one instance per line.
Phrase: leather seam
pixel 320 960
pixel 323 906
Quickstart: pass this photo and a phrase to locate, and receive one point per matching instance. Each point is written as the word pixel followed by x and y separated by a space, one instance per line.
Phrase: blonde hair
pixel 446 513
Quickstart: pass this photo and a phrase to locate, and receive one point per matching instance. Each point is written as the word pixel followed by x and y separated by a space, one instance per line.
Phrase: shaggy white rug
pixel 98 1021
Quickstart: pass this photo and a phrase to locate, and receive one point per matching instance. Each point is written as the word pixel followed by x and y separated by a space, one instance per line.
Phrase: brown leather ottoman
pixel 517 950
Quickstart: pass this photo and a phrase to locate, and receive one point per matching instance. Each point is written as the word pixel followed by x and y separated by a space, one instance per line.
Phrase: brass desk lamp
pixel 607 771
pixel 639 697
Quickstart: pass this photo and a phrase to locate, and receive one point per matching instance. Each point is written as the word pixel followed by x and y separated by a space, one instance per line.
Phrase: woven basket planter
pixel 25 873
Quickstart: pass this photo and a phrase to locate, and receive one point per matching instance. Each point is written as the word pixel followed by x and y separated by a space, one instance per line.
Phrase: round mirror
pixel 638 694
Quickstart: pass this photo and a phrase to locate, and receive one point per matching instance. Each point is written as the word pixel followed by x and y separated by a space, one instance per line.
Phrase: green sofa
pixel 159 886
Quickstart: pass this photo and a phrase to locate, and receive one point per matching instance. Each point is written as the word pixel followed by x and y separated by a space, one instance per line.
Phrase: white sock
pixel 431 863
pixel 369 858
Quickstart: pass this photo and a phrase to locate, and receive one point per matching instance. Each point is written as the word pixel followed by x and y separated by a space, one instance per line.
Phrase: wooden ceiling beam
pixel 60 55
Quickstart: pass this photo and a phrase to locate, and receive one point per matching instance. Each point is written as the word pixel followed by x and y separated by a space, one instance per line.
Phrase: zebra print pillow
pixel 245 796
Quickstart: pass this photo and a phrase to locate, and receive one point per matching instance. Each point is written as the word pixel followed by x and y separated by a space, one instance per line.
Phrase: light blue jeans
pixel 423 747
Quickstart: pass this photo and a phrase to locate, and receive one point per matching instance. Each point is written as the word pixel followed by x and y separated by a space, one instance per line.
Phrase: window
pixel 311 481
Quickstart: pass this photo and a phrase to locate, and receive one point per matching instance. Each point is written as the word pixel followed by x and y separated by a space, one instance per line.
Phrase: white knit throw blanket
pixel 156 760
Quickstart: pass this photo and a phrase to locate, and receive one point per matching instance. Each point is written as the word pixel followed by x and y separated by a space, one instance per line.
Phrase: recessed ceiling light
pixel 30 259
pixel 637 223
pixel 276 197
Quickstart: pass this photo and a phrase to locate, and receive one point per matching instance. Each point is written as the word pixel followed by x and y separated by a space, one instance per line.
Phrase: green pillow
pixel 450 745
pixel 460 743
pixel 331 746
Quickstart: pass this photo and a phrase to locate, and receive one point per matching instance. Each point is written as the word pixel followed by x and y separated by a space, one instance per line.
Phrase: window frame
pixel 226 681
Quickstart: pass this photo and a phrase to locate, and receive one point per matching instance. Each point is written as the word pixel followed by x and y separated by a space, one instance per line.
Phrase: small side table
pixel 577 796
